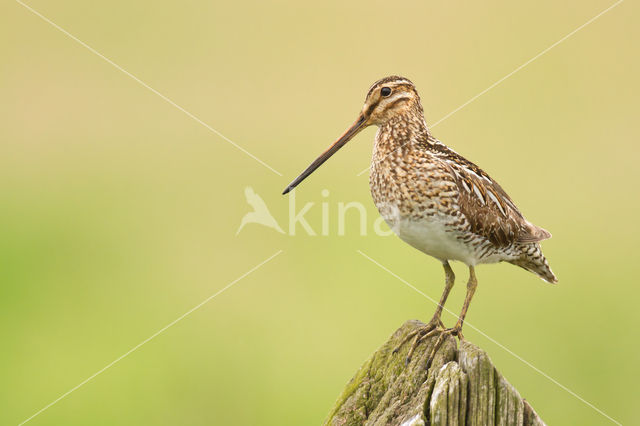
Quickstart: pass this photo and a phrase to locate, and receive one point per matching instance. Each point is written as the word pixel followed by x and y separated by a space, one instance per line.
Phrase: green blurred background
pixel 119 212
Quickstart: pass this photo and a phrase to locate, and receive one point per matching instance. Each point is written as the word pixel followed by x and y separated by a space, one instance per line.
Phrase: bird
pixel 260 213
pixel 436 200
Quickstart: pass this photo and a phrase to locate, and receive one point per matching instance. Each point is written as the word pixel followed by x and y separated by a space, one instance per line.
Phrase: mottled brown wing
pixel 489 210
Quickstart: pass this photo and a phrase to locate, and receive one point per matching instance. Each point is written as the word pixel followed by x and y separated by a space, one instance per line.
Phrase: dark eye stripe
pixel 370 109
pixel 391 105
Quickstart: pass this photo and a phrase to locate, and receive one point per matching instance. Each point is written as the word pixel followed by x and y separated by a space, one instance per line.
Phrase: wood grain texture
pixel 461 387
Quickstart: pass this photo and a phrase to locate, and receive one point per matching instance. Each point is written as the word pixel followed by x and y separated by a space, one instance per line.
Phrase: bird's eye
pixel 385 91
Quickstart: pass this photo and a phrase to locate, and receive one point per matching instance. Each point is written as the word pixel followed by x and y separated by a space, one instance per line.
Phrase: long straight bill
pixel 342 140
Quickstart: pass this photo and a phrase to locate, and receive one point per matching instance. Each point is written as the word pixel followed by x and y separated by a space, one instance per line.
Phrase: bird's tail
pixel 534 261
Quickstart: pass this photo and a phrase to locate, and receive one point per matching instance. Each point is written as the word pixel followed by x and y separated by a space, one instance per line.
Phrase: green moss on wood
pixel 461 387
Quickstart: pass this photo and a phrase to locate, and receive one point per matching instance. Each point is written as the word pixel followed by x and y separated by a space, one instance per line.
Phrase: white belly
pixel 433 238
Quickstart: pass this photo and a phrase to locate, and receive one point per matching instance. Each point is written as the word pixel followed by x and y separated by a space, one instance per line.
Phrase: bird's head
pixel 388 98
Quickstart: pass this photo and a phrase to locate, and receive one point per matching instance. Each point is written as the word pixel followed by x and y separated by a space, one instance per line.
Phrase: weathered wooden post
pixel 461 387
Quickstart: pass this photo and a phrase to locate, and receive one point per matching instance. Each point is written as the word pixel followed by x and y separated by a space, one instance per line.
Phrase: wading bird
pixel 436 200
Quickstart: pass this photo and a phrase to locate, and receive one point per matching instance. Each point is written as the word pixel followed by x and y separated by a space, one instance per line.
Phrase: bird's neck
pixel 401 133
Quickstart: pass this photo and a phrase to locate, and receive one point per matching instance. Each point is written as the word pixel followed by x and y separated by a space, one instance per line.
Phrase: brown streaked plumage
pixel 436 200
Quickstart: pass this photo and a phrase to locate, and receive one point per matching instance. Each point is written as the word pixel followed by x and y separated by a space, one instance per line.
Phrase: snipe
pixel 435 199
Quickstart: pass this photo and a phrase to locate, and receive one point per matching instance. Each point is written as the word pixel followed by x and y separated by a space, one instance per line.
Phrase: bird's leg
pixel 457 329
pixel 450 278
pixel 433 326
pixel 471 289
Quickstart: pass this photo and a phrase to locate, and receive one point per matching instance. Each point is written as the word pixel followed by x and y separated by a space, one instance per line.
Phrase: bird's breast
pixel 419 201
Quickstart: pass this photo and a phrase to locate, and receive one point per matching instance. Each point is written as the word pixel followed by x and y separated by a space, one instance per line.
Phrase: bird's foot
pixel 454 331
pixel 418 335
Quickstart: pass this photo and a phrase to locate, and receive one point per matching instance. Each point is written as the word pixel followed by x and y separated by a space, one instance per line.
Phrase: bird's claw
pixel 417 336
pixel 454 331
